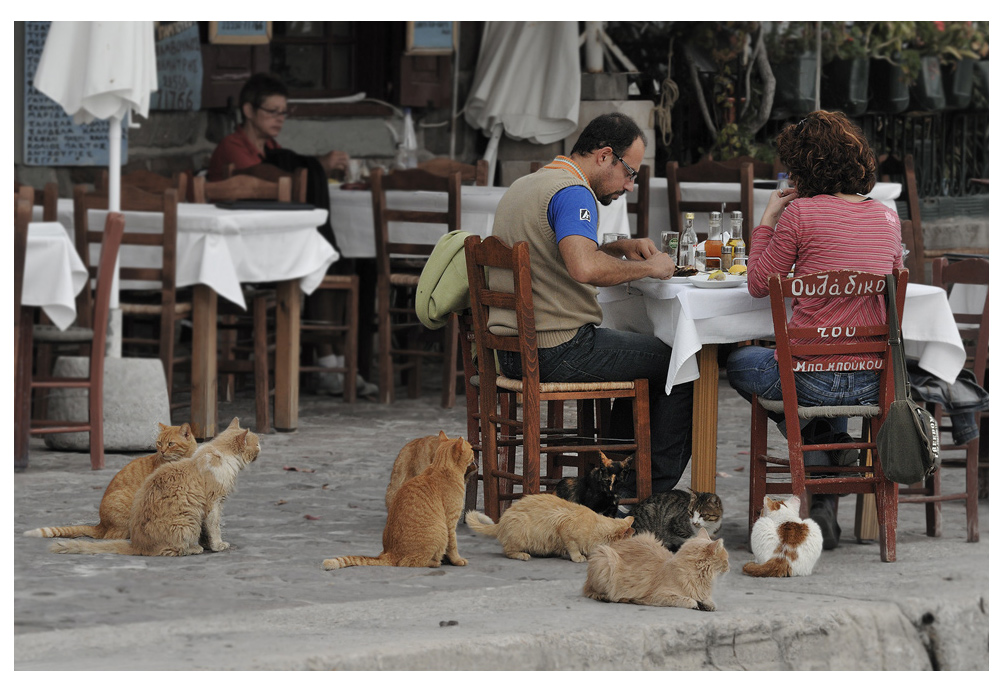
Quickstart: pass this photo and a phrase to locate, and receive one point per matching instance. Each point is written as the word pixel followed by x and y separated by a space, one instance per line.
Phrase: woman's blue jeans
pixel 753 370
pixel 596 354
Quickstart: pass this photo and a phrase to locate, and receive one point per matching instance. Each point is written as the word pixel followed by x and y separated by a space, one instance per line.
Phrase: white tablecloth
pixel 53 273
pixel 686 317
pixel 352 216
pixel 223 248
pixel 658 213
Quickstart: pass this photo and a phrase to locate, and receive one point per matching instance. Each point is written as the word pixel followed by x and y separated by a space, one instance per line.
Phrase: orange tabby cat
pixel 546 525
pixel 412 460
pixel 173 443
pixel 640 570
pixel 421 522
pixel 180 501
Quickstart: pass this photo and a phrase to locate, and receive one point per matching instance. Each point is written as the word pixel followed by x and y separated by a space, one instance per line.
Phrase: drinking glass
pixel 670 244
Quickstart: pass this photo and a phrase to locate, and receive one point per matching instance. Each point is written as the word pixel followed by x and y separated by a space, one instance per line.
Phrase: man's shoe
pixel 823 512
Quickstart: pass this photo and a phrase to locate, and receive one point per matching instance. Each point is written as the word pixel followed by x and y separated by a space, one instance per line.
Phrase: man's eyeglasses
pixel 274 112
pixel 631 173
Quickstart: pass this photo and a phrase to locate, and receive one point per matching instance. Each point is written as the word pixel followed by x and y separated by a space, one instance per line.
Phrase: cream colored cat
pixel 640 570
pixel 173 443
pixel 421 521
pixel 784 545
pixel 546 525
pixel 181 500
pixel 412 460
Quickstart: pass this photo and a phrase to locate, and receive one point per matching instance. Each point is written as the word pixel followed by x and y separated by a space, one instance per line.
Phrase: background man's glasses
pixel 278 113
pixel 630 172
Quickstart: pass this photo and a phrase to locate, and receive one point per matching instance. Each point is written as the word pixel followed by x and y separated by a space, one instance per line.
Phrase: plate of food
pixel 682 274
pixel 717 280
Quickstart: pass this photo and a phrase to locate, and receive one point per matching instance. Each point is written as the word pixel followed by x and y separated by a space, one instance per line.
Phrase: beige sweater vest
pixel 561 304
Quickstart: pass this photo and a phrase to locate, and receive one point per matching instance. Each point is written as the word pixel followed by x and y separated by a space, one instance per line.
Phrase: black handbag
pixel 908 441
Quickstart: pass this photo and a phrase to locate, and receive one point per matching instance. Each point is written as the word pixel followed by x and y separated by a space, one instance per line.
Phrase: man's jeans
pixel 595 355
pixel 753 370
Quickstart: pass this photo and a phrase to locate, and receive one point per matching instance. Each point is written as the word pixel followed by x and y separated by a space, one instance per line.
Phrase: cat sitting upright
pixel 181 501
pixel 597 488
pixel 640 570
pixel 412 460
pixel 544 525
pixel 173 443
pixel 421 521
pixel 784 545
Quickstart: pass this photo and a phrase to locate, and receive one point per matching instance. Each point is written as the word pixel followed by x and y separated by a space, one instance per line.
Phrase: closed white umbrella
pixel 527 83
pixel 101 70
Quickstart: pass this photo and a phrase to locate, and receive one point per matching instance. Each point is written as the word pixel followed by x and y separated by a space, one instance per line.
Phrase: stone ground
pixel 266 603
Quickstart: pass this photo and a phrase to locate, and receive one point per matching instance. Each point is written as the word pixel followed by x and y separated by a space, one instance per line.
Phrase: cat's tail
pixel 481 523
pixel 93 531
pixel 121 546
pixel 778 566
pixel 346 561
pixel 600 577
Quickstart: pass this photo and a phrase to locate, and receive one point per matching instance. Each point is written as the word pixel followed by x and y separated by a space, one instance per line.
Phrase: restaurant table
pixel 352 216
pixel 693 321
pixel 658 212
pixel 220 249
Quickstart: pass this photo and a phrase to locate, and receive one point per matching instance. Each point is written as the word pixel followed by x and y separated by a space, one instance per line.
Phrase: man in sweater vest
pixel 556 210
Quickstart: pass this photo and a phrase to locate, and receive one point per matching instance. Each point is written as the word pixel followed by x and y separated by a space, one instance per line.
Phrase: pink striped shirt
pixel 828 233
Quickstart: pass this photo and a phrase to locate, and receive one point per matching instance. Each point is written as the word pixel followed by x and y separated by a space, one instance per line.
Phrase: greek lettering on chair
pixel 828 285
pixel 860 365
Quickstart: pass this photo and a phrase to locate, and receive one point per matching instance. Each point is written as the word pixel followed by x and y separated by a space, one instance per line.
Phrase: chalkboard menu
pixel 51 138
pixel 179 68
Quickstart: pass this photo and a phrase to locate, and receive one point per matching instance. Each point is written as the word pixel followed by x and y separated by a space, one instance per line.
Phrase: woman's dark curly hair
pixel 826 153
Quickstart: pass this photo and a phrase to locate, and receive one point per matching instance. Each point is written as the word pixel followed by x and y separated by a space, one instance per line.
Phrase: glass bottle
pixel 688 243
pixel 735 238
pixel 714 238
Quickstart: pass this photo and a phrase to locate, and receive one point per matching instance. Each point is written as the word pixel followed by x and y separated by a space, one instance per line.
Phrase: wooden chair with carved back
pixel 710 172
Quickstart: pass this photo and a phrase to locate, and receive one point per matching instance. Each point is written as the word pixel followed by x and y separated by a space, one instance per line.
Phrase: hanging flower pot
pixel 795 86
pixel 844 85
pixel 889 87
pixel 958 81
pixel 928 91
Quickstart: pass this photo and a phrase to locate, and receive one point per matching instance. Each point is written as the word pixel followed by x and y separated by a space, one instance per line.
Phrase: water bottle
pixel 409 141
pixel 688 243
pixel 783 182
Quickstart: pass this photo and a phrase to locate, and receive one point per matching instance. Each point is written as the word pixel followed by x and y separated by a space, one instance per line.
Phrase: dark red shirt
pixel 238 150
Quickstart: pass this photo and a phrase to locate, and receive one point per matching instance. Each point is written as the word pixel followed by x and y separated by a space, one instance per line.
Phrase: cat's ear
pixel 161 427
pixel 442 436
pixel 241 438
pixel 234 424
pixel 630 520
pixel 794 503
pixel 605 460
pixel 703 533
pixel 185 430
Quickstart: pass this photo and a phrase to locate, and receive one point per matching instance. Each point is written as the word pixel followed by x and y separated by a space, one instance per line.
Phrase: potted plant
pixel 845 67
pixel 795 62
pixel 894 64
pixel 955 46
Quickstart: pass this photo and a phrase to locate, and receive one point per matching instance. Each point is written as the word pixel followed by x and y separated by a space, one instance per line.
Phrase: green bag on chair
pixel 909 439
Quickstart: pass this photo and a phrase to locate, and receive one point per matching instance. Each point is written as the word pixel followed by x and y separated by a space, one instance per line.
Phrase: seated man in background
pixel 556 209
pixel 264 107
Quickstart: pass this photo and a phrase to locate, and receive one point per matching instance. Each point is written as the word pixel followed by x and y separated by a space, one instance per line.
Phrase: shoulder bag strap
pixel 895 339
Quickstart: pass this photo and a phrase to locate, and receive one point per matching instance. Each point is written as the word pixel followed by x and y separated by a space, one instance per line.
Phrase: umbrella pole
pixel 114 348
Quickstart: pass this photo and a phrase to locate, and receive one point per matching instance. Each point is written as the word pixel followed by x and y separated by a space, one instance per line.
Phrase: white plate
pixel 670 280
pixel 703 281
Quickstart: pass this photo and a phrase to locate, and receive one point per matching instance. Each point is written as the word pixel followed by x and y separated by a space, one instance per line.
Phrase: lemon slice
pixel 717 276
pixel 737 269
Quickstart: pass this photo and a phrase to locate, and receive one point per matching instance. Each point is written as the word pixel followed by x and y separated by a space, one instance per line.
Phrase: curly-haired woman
pixel 824 222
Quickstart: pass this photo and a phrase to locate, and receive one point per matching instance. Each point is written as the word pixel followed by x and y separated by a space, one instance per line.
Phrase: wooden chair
pixel 161 305
pixel 469 173
pixel 96 336
pixel 399 330
pixel 710 172
pixel 22 217
pixel 903 170
pixel 762 170
pixel 499 425
pixel 47 197
pixel 799 480
pixel 974 330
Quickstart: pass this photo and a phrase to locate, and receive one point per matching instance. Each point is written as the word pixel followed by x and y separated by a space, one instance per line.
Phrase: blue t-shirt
pixel 572 212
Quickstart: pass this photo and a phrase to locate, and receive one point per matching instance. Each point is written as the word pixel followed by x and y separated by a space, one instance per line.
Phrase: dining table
pixel 694 320
pixel 218 251
pixel 53 276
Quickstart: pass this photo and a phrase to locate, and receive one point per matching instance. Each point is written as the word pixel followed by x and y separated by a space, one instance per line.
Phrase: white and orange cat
pixel 412 460
pixel 421 521
pixel 173 443
pixel 181 501
pixel 543 524
pixel 640 570
pixel 784 545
